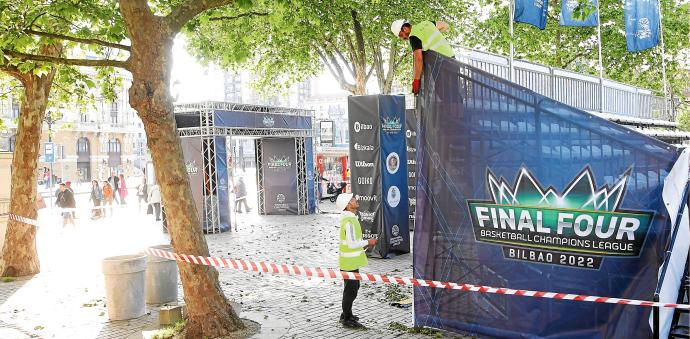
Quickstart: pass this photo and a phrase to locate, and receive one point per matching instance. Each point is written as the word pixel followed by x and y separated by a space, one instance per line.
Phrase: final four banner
pixel 641 24
pixel 533 12
pixel 520 191
pixel 394 175
pixel 279 166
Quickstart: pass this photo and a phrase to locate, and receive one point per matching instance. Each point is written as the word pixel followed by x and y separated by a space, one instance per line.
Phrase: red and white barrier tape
pixel 23 220
pixel 328 273
pixel 261 266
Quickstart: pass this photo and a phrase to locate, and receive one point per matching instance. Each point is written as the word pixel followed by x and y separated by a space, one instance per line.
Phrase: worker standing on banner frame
pixel 423 36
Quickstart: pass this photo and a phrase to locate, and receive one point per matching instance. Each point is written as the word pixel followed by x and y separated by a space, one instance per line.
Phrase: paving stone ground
pixel 67 299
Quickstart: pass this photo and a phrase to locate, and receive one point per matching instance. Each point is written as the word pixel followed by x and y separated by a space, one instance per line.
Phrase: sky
pixel 192 82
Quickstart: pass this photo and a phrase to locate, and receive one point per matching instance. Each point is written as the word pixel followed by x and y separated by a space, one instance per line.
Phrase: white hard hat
pixel 397 25
pixel 342 201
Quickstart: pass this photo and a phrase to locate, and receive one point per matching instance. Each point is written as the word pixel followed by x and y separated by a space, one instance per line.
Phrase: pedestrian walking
pixel 96 197
pixel 46 177
pixel 123 190
pixel 69 187
pixel 65 199
pixel 107 197
pixel 155 201
pixel 240 190
pixel 352 256
pixel 143 193
pixel 114 181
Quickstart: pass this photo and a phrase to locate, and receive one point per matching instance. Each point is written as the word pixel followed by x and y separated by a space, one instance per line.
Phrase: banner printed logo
pixel 192 169
pixel 391 124
pixel 269 121
pixel 276 162
pixel 576 228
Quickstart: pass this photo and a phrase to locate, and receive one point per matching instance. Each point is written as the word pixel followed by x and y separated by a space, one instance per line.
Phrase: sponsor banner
pixel 533 12
pixel 258 120
pixel 363 119
pixel 411 138
pixel 641 24
pixel 222 184
pixel 280 175
pixel 395 235
pixel 194 162
pixel 326 131
pixel 311 194
pixel 559 200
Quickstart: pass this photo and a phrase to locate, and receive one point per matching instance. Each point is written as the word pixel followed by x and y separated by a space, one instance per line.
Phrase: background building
pixel 90 144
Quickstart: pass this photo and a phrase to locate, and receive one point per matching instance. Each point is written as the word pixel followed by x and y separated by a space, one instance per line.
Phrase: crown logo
pixel 581 193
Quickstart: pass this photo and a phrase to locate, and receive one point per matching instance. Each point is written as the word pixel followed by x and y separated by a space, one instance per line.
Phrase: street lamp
pixel 50 120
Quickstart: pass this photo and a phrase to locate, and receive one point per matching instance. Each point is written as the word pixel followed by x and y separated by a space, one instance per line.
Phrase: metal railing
pixel 578 90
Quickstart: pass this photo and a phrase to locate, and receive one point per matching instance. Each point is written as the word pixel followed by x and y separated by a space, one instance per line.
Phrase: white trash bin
pixel 161 278
pixel 125 286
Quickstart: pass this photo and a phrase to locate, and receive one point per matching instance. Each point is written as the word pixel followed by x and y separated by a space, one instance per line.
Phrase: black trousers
pixel 349 295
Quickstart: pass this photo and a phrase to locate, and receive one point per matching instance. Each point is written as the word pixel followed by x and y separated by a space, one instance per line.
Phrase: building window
pixel 15 109
pixel 114 146
pixel 83 146
pixel 13 142
pixel 113 113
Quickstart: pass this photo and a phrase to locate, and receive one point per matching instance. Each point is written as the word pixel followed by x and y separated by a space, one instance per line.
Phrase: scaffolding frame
pixel 208 133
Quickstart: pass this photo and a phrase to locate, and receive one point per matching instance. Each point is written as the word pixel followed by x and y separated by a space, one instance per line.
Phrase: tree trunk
pixel 19 256
pixel 208 312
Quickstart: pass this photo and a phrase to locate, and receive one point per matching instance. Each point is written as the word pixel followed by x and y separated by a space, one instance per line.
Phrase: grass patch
pixel 396 326
pixel 169 331
pixel 394 293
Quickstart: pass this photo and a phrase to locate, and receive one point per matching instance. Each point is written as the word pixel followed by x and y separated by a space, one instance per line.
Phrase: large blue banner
pixel 517 190
pixel 641 24
pixel 311 194
pixel 574 13
pixel 223 194
pixel 394 175
pixel 261 120
pixel 533 12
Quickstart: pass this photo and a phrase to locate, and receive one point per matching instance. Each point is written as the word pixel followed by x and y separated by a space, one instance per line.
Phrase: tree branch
pixel 67 61
pixel 81 40
pixel 342 57
pixel 337 71
pixel 13 71
pixel 233 17
pixel 187 10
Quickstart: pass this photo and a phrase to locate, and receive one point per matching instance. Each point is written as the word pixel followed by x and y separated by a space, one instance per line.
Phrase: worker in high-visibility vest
pixel 423 36
pixel 352 256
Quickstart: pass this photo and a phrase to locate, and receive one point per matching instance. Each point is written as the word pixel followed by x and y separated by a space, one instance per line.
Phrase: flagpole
pixel 601 65
pixel 511 14
pixel 663 59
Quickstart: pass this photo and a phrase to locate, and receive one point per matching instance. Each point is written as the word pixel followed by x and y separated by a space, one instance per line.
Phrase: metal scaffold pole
pixel 511 14
pixel 663 61
pixel 601 64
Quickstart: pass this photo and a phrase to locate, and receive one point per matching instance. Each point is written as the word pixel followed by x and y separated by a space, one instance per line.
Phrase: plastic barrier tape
pixel 261 266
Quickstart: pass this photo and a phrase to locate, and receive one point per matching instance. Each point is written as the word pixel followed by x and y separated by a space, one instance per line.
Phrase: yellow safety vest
pixel 351 258
pixel 431 38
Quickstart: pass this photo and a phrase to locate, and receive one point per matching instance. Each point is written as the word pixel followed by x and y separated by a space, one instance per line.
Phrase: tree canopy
pixel 576 48
pixel 287 42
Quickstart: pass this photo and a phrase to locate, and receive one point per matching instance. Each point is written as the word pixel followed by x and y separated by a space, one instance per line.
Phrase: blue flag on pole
pixel 641 24
pixel 532 12
pixel 574 14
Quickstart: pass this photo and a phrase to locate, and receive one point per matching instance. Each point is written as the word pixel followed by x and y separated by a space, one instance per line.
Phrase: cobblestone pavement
pixel 67 299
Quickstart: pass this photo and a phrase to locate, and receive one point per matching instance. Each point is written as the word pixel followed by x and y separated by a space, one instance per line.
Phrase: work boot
pixel 352 323
pixel 342 317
